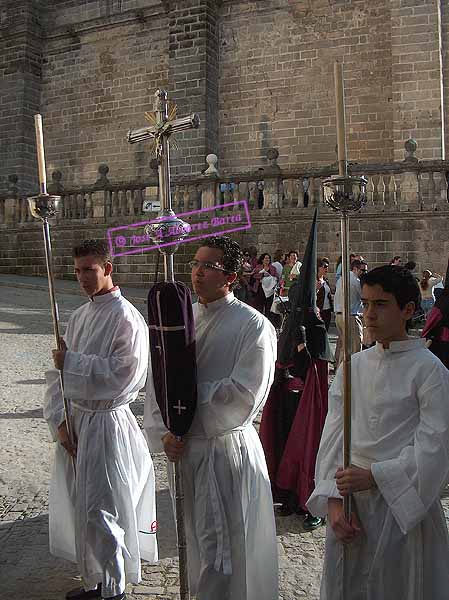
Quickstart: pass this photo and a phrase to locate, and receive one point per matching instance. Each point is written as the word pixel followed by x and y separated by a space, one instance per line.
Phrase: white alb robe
pixel 230 527
pixel 105 520
pixel 400 429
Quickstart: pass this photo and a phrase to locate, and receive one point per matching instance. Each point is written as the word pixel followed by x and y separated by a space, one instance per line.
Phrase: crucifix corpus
pixel 43 206
pixel 170 315
pixel 345 194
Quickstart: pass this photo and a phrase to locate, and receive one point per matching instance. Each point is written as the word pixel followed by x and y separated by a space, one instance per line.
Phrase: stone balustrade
pixel 406 186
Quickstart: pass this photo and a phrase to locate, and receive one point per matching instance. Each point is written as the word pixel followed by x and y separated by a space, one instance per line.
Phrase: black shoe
pixel 81 594
pixel 119 597
pixel 310 523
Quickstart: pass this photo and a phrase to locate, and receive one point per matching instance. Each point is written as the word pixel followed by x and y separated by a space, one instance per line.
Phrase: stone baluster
pixel 2 211
pixel 80 206
pixel 130 204
pixel 188 198
pixel 370 191
pixel 286 200
pixel 226 193
pixel 271 193
pixel 114 204
pixel 176 198
pixel 441 188
pixel 299 192
pixel 381 189
pixel 310 192
pixel 182 206
pixel 236 193
pixel 107 204
pixel 139 196
pixel 409 191
pixel 244 191
pixel 253 193
pixel 209 193
pixel 431 190
pixel 390 196
pixel 88 208
pixel 197 189
pixel 123 203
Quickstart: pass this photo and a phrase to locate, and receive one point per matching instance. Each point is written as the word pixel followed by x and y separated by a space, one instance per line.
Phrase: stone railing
pixel 410 185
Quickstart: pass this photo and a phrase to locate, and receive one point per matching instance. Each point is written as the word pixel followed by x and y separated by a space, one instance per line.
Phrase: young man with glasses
pixel 230 528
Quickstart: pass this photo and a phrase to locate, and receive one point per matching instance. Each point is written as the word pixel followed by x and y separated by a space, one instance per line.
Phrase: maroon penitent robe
pixel 290 432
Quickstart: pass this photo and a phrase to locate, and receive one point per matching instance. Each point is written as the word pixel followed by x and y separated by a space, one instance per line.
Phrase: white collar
pixel 402 346
pixel 104 298
pixel 216 305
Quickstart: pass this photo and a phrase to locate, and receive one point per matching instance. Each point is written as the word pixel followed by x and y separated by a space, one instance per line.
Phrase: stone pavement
pixel 27 570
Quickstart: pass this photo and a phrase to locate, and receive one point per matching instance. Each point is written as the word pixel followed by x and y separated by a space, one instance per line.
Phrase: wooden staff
pixel 344 226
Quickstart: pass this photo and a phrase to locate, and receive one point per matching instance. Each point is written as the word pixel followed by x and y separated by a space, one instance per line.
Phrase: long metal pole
pixel 40 207
pixel 346 356
pixel 344 225
pixel 165 200
pixel 55 316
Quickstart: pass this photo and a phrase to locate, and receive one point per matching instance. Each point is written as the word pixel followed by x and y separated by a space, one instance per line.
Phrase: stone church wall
pixel 259 73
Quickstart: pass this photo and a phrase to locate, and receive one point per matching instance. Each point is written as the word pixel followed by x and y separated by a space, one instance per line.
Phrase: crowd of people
pixel 102 513
pixel 265 283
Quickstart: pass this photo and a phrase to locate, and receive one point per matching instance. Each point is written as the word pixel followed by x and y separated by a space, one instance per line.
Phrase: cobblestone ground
pixel 27 570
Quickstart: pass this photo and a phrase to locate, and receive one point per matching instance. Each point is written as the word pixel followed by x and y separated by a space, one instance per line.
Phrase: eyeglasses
pixel 325 266
pixel 206 266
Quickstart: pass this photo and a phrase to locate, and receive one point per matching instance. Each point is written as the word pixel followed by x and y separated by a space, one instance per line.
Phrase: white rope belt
pixel 97 410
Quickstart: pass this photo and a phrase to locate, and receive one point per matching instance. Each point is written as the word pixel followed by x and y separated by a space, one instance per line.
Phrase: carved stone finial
pixel 102 180
pixel 410 146
pixel 212 160
pixel 56 186
pixel 272 155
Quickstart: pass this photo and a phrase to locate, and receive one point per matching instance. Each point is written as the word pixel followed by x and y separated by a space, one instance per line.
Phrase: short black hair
pixel 395 280
pixel 98 248
pixel 292 252
pixel 232 255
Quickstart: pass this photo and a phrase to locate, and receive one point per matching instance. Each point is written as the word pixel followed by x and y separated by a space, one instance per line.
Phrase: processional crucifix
pixel 162 124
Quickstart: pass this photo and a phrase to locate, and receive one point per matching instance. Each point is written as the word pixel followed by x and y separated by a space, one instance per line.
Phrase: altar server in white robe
pixel 104 519
pixel 230 527
pixel 397 540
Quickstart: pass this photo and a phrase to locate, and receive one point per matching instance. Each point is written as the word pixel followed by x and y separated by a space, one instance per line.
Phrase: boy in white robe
pixel 105 518
pixel 397 539
pixel 230 527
